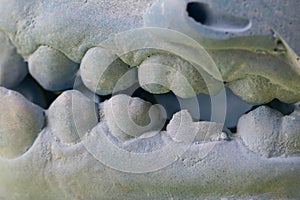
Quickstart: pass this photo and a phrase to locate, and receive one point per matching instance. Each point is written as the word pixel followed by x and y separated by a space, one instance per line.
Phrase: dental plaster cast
pixel 84 148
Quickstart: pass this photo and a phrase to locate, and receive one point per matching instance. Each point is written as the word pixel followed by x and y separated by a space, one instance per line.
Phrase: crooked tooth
pixel 131 117
pixel 20 123
pixel 269 133
pixel 12 67
pixel 52 69
pixel 71 115
pixel 161 73
pixel 104 73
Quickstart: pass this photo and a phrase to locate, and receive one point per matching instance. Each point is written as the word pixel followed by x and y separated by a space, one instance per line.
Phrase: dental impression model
pixel 82 147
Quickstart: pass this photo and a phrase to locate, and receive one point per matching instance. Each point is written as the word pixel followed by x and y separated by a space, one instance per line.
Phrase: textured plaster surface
pixel 80 148
pixel 59 166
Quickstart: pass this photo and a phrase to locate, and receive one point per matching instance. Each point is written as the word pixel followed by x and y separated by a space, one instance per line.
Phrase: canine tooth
pixel 161 73
pixel 71 115
pixel 129 117
pixel 52 69
pixel 20 123
pixel 12 67
pixel 104 73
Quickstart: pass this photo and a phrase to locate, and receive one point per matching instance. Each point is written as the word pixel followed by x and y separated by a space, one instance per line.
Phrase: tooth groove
pixel 20 123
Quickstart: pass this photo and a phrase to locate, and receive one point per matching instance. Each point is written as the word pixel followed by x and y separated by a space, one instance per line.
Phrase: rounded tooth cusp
pixel 162 73
pixel 20 123
pixel 270 133
pixel 104 73
pixel 72 115
pixel 52 69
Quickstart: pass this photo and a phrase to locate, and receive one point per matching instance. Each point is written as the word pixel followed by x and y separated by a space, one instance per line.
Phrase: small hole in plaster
pixel 206 16
pixel 198 11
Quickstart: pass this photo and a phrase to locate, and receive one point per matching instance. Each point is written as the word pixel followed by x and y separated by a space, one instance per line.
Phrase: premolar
pixel 269 133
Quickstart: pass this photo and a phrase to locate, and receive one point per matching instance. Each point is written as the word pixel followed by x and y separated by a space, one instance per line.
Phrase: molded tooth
pixel 259 90
pixel 269 133
pixel 71 115
pixel 12 67
pixel 161 73
pixel 52 69
pixel 182 129
pixel 20 123
pixel 104 73
pixel 131 117
pixel 290 134
pixel 259 130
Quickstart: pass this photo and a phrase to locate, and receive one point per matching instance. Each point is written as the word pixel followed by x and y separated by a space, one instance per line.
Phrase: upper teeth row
pixel 256 77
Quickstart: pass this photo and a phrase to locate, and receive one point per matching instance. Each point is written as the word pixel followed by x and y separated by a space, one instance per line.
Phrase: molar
pixel 269 133
pixel 52 69
pixel 72 115
pixel 129 117
pixel 20 123
pixel 182 128
pixel 104 73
